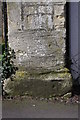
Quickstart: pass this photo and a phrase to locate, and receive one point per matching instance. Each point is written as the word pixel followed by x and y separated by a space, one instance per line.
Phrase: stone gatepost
pixel 37 33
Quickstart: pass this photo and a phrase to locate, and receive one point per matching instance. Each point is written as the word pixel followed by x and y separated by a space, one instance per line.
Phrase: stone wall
pixel 37 34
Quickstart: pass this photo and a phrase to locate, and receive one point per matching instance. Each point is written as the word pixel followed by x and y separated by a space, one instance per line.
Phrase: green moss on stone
pixel 41 85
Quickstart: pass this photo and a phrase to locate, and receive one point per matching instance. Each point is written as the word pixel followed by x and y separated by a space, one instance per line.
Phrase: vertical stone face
pixel 37 34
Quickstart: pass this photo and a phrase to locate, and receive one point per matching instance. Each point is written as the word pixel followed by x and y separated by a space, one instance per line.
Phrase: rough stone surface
pixel 37 33
pixel 38 85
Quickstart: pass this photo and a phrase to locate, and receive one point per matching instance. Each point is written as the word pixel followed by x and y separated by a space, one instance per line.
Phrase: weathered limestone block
pixel 39 48
pixel 38 85
pixel 37 34
pixel 33 37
